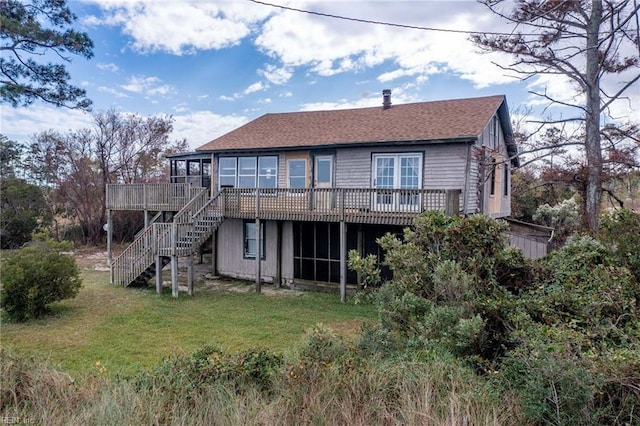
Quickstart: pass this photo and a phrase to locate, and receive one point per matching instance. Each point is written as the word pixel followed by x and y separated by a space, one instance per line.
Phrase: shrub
pixel 620 232
pixel 185 377
pixel 36 276
pixel 587 290
pixel 549 375
pixel 563 217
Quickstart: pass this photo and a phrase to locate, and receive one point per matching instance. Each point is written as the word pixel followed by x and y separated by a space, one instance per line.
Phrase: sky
pixel 215 65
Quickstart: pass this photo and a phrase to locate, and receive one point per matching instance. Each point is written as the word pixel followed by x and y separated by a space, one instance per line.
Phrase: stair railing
pixel 166 239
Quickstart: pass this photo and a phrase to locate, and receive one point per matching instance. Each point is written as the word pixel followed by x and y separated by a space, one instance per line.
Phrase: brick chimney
pixel 386 99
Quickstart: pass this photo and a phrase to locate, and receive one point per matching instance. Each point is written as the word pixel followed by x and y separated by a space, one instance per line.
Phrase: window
pixel 267 167
pixel 493 133
pixel 397 172
pixel 246 172
pixel 492 183
pixel 227 175
pixel 297 173
pixel 250 240
pixel 505 180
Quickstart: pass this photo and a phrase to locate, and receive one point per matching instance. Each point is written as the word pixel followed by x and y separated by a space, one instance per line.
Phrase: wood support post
pixel 174 275
pixel 343 261
pixel 110 243
pixel 214 252
pixel 360 249
pixel 278 277
pixel 453 202
pixel 258 257
pixel 158 274
pixel 258 244
pixel 174 260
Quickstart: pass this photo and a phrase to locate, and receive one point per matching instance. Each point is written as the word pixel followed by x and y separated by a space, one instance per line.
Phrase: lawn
pixel 125 329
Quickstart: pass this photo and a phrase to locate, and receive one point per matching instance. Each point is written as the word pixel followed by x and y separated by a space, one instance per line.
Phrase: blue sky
pixel 214 65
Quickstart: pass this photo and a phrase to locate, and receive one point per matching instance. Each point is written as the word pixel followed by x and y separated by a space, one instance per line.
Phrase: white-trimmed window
pixel 297 173
pixel 247 172
pixel 250 238
pixel 227 172
pixel 397 172
pixel 267 172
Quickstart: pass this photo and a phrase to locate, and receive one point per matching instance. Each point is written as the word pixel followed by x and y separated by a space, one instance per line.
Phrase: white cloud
pixel 149 86
pixel 201 127
pixel 112 91
pixel 328 46
pixel 255 87
pixel 180 27
pixel 276 75
pixel 108 66
pixel 20 124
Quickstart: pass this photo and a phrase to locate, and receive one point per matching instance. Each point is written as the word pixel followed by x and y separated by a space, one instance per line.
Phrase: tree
pixel 22 205
pixel 584 41
pixel 119 148
pixel 39 29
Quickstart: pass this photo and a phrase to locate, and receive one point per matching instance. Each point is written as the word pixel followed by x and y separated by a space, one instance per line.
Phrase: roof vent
pixel 386 99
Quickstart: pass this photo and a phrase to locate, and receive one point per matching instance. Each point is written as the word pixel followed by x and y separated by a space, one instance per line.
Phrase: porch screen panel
pixel 316 251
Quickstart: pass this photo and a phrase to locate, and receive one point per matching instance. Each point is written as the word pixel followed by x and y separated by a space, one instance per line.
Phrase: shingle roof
pixel 423 121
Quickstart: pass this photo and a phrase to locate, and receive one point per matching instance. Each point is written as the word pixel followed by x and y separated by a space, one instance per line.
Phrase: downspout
pixel 467 178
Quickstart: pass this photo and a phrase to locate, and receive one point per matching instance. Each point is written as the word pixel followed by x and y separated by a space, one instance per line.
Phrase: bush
pixel 564 218
pixel 36 276
pixel 549 375
pixel 620 232
pixel 181 377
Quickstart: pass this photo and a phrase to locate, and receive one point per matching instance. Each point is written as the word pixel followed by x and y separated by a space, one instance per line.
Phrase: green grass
pixel 126 329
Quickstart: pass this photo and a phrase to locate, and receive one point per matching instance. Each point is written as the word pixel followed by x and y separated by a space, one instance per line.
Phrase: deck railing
pixel 354 205
pixel 149 196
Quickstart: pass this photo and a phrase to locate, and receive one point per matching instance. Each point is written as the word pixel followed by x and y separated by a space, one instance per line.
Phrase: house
pixel 284 197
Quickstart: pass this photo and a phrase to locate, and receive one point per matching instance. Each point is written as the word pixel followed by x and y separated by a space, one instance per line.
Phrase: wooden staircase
pixel 191 227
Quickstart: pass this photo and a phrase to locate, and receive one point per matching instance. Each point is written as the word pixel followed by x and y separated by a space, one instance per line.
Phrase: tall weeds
pixel 345 391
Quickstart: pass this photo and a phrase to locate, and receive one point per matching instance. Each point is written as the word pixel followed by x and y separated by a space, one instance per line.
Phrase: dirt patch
pixel 209 282
pixel 97 260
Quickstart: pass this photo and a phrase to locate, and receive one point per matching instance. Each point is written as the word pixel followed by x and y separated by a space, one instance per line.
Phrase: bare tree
pixel 77 166
pixel 584 41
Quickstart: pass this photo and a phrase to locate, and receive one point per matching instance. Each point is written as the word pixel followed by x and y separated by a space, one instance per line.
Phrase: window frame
pixel 303 176
pixel 245 240
pixel 505 178
pixel 492 178
pixel 239 174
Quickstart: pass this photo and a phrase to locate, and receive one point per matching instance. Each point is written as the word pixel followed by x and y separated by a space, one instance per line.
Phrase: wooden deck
pixel 351 205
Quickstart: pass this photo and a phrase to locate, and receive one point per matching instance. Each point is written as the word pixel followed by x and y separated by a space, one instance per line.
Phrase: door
pixel 395 178
pixel 323 182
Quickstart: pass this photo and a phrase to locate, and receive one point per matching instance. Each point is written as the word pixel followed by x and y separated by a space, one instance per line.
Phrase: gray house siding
pixel 230 259
pixel 444 167
pixel 230 250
